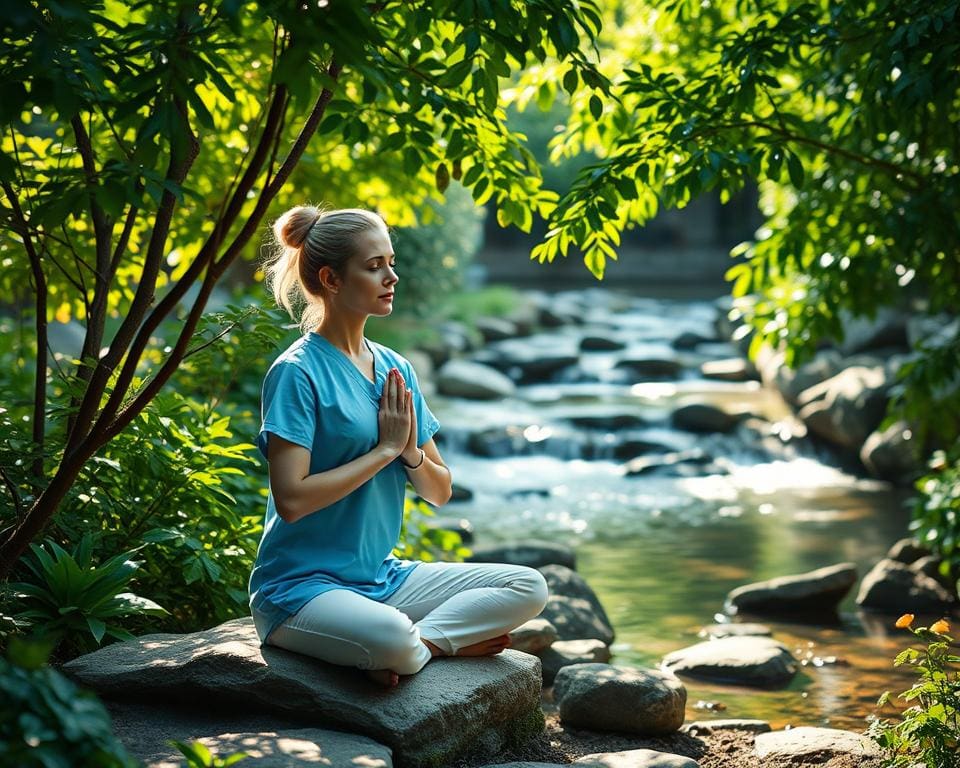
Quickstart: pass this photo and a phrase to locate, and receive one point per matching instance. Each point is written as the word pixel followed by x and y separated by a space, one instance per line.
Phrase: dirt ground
pixel 720 749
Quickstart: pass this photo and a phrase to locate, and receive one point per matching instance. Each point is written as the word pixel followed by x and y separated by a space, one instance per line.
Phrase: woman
pixel 345 426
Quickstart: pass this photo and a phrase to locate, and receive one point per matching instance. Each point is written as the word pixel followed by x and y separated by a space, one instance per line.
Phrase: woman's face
pixel 368 280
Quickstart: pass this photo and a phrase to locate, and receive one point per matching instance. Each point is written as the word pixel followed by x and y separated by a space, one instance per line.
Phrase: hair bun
pixel 292 228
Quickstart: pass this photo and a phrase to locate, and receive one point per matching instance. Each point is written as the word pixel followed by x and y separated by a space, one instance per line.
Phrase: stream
pixel 662 551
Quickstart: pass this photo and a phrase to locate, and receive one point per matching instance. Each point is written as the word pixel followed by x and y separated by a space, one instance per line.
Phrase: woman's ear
pixel 329 279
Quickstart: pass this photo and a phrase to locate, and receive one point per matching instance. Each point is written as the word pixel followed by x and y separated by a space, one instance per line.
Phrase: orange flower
pixel 905 621
pixel 941 627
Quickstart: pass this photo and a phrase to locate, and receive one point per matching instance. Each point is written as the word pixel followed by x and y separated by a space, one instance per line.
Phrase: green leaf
pixel 596 107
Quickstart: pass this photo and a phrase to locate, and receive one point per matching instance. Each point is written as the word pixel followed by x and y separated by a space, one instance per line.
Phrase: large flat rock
pixel 636 758
pixel 452 706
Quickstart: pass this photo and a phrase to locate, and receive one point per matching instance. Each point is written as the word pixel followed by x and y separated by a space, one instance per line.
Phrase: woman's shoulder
pixel 303 354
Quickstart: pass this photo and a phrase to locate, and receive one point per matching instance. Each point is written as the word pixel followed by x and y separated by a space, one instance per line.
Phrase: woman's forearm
pixel 315 492
pixel 431 480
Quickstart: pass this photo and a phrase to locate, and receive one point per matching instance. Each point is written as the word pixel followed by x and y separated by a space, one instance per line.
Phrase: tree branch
pixel 176 172
pixel 101 434
pixel 40 374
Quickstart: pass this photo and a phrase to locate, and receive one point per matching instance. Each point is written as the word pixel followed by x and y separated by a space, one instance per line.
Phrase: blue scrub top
pixel 314 396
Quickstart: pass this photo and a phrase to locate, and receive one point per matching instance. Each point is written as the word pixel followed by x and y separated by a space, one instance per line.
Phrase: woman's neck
pixel 344 334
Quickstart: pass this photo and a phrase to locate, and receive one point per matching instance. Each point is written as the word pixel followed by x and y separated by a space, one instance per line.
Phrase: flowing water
pixel 662 552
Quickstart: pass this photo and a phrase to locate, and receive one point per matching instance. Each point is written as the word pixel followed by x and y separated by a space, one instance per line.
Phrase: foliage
pixel 198 756
pixel 845 113
pixel 421 541
pixel 143 144
pixel 928 732
pixel 432 258
pixel 69 597
pixel 46 721
pixel 936 510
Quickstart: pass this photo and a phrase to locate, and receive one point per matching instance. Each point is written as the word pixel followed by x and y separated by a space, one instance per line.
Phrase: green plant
pixel 928 731
pixel 48 722
pixel 421 541
pixel 71 599
pixel 198 756
pixel 936 510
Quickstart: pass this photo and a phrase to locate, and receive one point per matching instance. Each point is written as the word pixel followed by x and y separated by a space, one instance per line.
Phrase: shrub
pixel 75 602
pixel 928 731
pixel 936 511
pixel 48 722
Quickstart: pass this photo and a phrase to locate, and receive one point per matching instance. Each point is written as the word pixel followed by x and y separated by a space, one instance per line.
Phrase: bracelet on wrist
pixel 417 465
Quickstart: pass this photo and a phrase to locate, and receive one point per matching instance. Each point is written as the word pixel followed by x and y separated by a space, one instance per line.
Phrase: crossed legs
pixel 441 609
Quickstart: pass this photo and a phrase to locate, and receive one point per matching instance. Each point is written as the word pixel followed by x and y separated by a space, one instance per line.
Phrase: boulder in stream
pixel 576 619
pixel 892 454
pixel 495 328
pixel 530 552
pixel 907 550
pixel 652 368
pixel 600 344
pixel 567 582
pixel 816 593
pixel 729 369
pixel 894 587
pixel 462 378
pixel 717 631
pixel 847 407
pixel 756 661
pixel 452 706
pixel 701 417
pixel 624 699
pixel 565 653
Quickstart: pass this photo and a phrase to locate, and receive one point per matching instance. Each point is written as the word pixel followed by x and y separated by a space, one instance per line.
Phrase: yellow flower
pixel 905 621
pixel 941 627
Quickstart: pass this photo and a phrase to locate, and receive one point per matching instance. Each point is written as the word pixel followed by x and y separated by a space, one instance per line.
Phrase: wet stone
pixel 756 661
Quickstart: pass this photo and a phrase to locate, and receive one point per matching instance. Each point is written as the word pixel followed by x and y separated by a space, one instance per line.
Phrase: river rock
pixel 531 552
pixel 814 745
pixel 717 631
pixel 269 740
pixel 567 582
pixel 814 593
pixel 688 340
pixel 533 636
pixel 651 368
pixel 565 653
pixel 892 453
pixel 608 422
pixel 729 369
pixel 460 493
pixel 576 619
pixel 846 408
pixel 525 365
pixel 700 417
pixel 894 587
pixel 625 699
pixel 462 378
pixel 452 706
pixel 636 758
pixel 600 344
pixel 728 724
pixel 792 383
pixel 690 463
pixel 558 315
pixel 887 329
pixel 907 550
pixel 756 661
pixel 495 328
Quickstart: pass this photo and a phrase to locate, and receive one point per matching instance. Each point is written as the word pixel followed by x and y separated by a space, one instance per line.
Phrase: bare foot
pixel 385 677
pixel 489 647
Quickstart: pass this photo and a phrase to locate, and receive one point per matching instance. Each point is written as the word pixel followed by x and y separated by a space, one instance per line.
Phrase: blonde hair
pixel 306 239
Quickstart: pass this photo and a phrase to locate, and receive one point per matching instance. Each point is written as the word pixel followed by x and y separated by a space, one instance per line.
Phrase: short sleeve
pixel 288 406
pixel 427 424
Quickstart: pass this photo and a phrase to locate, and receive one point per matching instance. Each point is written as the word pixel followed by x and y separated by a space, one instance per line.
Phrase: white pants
pixel 452 605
